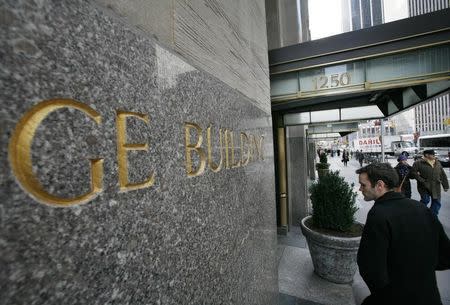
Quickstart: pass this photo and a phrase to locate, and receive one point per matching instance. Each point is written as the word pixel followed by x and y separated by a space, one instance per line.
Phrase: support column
pixel 312 153
pixel 297 164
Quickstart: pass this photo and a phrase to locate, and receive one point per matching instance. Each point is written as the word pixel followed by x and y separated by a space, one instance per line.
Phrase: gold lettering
pixel 215 168
pixel 227 158
pixel 259 147
pixel 20 153
pixel 194 147
pixel 244 139
pixel 233 164
pixel 229 146
pixel 251 148
pixel 123 147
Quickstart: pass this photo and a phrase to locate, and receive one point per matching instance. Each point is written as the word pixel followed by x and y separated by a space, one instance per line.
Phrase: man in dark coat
pixel 402 243
pixel 360 157
pixel 430 176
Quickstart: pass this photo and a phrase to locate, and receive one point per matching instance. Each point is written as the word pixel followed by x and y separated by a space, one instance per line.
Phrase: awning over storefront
pixel 396 66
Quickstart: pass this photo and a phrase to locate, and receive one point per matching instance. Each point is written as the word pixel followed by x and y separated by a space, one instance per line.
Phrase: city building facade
pixel 431 117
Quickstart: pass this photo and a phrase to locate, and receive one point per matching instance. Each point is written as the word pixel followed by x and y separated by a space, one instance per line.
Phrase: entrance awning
pixel 383 75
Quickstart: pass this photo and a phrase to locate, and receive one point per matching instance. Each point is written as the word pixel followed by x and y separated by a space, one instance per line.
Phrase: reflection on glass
pixel 415 63
pixel 296 118
pixel 363 112
pixel 283 84
pixel 325 115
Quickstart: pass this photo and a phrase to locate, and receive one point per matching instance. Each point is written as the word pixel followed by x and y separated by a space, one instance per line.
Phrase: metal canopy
pixel 393 37
pixel 389 102
pixel 333 128
pixel 375 60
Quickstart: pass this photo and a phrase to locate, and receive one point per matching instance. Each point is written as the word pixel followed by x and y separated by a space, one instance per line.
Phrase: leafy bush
pixel 333 202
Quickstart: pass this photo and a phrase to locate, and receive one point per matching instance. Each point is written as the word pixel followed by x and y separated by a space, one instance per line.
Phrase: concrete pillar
pixel 311 158
pixel 297 164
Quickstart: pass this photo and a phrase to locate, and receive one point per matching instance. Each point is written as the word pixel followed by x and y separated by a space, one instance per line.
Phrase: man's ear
pixel 380 183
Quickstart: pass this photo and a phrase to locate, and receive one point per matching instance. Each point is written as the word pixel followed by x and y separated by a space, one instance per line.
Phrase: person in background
pixel 430 175
pixel 405 173
pixel 345 157
pixel 402 243
pixel 360 157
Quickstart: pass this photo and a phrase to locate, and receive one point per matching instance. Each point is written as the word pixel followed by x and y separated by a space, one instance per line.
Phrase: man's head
pixel 429 154
pixel 376 179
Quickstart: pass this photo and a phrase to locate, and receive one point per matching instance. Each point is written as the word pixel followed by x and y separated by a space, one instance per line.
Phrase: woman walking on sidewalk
pixel 405 173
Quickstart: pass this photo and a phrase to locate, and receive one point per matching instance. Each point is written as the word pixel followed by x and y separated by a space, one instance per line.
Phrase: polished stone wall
pixel 205 238
pixel 297 164
pixel 224 38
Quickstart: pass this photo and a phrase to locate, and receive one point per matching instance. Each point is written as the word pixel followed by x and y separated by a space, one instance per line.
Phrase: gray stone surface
pixel 297 165
pixel 224 38
pixel 297 278
pixel 209 239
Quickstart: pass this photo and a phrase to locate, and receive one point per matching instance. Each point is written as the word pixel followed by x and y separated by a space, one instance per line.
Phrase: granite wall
pixel 108 194
pixel 226 38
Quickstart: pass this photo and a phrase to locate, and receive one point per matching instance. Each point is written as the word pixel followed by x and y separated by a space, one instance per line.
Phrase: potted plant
pixel 332 234
pixel 323 165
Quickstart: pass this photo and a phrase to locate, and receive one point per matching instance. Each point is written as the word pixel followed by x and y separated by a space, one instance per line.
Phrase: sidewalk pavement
pixel 299 285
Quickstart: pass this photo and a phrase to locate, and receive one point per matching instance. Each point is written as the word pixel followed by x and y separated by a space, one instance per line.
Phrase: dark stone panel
pixel 209 239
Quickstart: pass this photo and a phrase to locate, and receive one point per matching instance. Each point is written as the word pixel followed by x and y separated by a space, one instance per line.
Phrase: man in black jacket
pixel 402 244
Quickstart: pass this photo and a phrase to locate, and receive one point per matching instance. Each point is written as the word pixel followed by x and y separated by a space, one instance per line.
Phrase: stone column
pixel 312 153
pixel 297 164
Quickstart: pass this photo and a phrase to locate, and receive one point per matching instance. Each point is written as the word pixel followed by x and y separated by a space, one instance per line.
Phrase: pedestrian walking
pixel 345 157
pixel 402 243
pixel 430 176
pixel 405 173
pixel 360 158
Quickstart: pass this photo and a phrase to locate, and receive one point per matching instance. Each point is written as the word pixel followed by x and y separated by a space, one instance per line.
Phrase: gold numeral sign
pixel 331 81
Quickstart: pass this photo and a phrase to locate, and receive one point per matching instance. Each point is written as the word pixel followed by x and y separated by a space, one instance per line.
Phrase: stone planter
pixel 322 169
pixel 322 172
pixel 334 258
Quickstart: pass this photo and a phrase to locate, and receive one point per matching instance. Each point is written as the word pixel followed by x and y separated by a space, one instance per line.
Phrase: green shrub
pixel 333 202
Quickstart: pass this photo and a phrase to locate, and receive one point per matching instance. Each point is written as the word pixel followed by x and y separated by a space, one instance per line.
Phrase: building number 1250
pixel 331 81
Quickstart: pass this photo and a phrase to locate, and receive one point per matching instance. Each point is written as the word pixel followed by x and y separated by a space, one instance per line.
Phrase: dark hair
pixel 380 171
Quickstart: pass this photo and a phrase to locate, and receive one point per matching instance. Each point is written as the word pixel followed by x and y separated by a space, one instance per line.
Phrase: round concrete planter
pixel 334 258
pixel 322 172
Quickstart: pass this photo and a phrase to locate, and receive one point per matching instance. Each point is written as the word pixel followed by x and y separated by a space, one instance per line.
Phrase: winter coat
pixel 345 157
pixel 402 245
pixel 360 156
pixel 408 170
pixel 429 179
